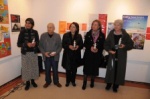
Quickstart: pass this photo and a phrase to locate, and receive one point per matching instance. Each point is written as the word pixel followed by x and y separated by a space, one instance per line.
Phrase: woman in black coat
pixel 94 42
pixel 72 43
pixel 117 43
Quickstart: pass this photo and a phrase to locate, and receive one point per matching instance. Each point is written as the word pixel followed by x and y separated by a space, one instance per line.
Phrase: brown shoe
pixel 46 85
pixel 58 85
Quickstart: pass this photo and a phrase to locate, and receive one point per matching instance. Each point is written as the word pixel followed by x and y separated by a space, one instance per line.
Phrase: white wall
pixel 10 67
pixel 43 12
pixel 138 66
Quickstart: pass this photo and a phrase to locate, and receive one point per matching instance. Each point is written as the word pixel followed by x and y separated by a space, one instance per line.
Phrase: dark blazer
pixel 25 36
pixel 71 58
pixel 92 60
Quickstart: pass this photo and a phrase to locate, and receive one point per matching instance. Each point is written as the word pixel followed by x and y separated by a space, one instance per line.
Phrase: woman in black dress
pixel 72 43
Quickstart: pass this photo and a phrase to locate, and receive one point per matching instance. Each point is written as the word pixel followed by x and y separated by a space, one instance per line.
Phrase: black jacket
pixel 71 59
pixel 92 60
pixel 25 36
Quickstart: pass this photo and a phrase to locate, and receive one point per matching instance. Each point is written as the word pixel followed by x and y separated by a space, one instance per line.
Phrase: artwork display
pixel 5 42
pixel 15 23
pixel 4 19
pixel 136 26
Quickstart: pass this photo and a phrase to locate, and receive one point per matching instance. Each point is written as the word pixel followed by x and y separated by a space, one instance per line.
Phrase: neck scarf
pixel 95 35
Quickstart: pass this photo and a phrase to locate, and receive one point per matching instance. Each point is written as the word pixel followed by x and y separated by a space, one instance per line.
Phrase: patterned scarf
pixel 95 36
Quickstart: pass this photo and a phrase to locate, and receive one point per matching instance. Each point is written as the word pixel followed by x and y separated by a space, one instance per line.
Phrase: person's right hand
pixel 112 52
pixel 94 50
pixel 71 47
pixel 29 45
pixel 47 54
pixel 33 44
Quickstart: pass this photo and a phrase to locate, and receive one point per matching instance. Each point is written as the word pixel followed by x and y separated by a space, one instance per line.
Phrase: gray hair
pixel 52 24
pixel 118 21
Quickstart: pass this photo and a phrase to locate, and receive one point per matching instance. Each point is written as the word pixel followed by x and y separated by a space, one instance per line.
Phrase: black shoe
pixel 33 83
pixel 115 90
pixel 108 86
pixel 84 85
pixel 67 84
pixel 27 85
pixel 115 87
pixel 73 84
pixel 92 83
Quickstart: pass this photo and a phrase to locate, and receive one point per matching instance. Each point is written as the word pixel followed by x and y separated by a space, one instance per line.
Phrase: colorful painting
pixel 136 26
pixel 4 19
pixel 5 45
pixel 15 23
pixel 138 39
pixel 5 42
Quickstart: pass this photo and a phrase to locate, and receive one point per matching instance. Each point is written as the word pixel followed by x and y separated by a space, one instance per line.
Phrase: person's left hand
pixel 53 54
pixel 76 48
pixel 121 46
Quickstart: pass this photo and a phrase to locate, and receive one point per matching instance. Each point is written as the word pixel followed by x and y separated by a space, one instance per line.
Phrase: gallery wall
pixel 43 12
pixel 138 65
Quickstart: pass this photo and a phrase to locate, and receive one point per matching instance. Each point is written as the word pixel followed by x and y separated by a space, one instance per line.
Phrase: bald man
pixel 50 46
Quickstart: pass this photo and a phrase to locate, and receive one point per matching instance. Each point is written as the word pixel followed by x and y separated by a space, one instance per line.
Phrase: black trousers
pixel 115 75
pixel 71 75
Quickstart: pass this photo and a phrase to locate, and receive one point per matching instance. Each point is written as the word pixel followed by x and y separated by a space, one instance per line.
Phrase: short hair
pixel 31 21
pixel 51 24
pixel 119 21
pixel 76 25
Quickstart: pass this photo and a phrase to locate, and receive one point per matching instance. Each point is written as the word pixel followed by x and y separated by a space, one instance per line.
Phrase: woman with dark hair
pixel 72 43
pixel 28 40
pixel 94 42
